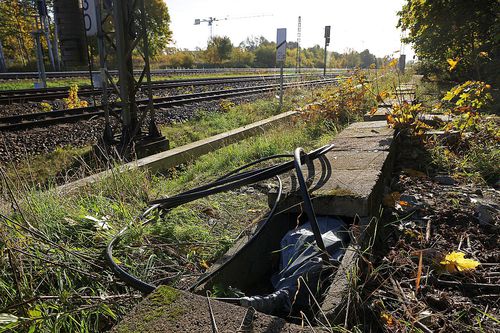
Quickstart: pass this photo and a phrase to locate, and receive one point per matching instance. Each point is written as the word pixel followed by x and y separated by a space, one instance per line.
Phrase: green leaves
pixel 453 37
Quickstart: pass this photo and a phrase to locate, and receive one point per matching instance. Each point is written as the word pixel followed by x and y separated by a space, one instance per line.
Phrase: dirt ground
pixel 430 215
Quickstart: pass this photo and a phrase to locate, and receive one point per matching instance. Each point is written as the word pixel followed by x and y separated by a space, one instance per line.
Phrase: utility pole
pixel 39 56
pixel 108 132
pixel 3 66
pixel 280 57
pixel 299 35
pixel 55 46
pixel 122 16
pixel 327 42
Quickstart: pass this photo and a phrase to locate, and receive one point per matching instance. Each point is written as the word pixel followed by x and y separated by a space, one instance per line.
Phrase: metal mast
pixel 44 19
pixel 42 83
pixel 327 42
pixel 129 36
pixel 299 35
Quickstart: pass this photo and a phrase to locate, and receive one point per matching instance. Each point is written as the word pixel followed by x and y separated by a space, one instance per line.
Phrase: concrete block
pixel 175 311
pixel 343 192
pixel 354 132
pixel 368 124
pixel 348 180
pixel 374 143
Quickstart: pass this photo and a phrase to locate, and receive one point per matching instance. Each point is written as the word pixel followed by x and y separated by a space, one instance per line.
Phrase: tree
pixel 15 30
pixel 351 59
pixel 265 55
pixel 158 26
pixel 219 49
pixel 181 59
pixel 367 59
pixel 463 31
pixel 242 58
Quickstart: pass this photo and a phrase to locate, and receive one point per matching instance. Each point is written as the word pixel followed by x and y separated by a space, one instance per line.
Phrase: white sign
pixel 281 45
pixel 90 17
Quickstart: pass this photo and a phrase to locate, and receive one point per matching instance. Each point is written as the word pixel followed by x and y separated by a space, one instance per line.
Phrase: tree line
pixel 260 52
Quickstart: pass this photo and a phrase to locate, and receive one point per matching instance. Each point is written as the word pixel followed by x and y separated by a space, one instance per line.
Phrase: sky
pixel 356 24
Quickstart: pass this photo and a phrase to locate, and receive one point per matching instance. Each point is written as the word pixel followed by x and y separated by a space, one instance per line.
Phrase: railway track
pixel 24 95
pixel 165 72
pixel 24 121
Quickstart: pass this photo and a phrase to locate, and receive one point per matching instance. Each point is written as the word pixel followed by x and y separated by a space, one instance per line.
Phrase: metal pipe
pixel 153 130
pixel 39 55
pixel 108 132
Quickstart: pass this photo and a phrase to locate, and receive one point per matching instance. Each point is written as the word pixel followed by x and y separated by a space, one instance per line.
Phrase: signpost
pixel 90 17
pixel 327 42
pixel 280 57
pixel 402 63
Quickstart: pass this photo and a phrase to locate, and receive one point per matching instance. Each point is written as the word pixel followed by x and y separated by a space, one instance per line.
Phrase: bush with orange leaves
pixel 339 105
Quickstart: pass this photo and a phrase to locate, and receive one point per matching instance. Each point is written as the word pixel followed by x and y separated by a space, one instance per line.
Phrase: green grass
pixel 52 244
pixel 28 84
pixel 206 124
pixel 40 169
pixel 81 81
pixel 115 202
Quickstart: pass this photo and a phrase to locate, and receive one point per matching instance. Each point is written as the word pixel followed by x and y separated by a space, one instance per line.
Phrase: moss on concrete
pixel 160 304
pixel 337 192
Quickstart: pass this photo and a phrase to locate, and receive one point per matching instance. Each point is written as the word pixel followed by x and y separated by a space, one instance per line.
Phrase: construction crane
pixel 211 21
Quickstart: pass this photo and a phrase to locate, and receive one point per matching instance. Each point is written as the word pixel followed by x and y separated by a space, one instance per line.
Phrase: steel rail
pixel 24 95
pixel 24 121
pixel 166 72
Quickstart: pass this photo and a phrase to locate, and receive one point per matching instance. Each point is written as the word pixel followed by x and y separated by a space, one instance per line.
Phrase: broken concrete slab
pixel 171 310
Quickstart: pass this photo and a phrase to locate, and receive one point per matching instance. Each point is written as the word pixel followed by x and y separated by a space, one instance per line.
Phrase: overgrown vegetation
pixel 470 146
pixel 73 101
pixel 52 274
pixel 427 265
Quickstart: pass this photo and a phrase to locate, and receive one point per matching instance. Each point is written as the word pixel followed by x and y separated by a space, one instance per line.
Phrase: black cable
pixel 231 180
pixel 307 200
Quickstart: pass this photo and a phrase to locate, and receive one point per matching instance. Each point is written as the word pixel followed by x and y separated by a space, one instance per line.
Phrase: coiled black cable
pixel 232 180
